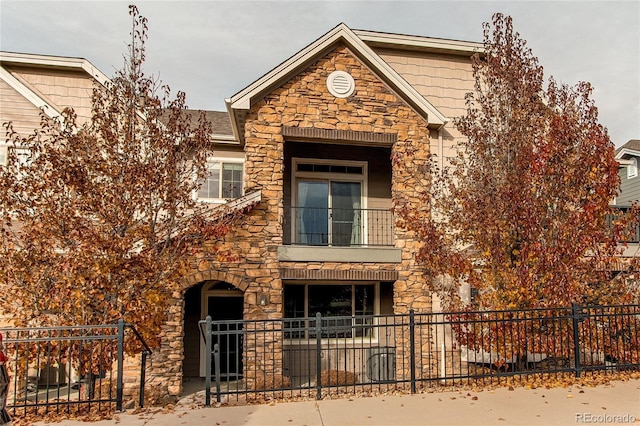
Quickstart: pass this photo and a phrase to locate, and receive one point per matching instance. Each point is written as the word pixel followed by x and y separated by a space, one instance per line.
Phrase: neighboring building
pixel 31 84
pixel 329 138
pixel 628 155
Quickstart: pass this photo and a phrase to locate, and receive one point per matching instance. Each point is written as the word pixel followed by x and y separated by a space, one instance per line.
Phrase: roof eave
pixel 626 151
pixel 235 122
pixel 419 43
pixel 54 62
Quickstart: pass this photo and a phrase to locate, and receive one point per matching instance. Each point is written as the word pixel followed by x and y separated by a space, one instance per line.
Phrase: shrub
pixel 338 377
pixel 271 381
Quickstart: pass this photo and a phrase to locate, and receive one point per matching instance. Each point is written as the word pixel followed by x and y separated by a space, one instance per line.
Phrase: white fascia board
pixel 466 48
pixel 433 115
pixel 28 94
pixel 224 139
pixel 55 62
pixel 627 151
pixel 234 121
pixel 98 75
pixel 244 98
pixel 233 206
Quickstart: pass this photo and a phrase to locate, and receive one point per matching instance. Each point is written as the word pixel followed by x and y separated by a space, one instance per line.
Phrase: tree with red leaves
pixel 521 214
pixel 100 220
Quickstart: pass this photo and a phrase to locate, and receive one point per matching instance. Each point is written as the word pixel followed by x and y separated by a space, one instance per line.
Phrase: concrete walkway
pixel 616 403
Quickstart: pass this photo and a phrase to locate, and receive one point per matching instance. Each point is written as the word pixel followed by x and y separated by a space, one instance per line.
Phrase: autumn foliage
pixel 521 226
pixel 522 214
pixel 98 220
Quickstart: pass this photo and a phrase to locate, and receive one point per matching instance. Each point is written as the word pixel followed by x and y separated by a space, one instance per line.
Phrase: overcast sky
pixel 213 49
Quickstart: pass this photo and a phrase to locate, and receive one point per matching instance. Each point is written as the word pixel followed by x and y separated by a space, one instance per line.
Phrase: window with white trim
pixel 223 181
pixel 632 169
pixel 353 303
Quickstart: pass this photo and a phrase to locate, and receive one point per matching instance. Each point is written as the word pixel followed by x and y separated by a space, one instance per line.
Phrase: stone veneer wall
pixel 303 102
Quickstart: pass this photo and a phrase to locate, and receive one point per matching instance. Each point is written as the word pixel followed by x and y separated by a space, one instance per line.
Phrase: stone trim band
pixel 350 136
pixel 329 274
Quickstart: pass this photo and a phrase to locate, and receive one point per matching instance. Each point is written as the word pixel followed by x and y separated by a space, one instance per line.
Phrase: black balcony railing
pixel 338 227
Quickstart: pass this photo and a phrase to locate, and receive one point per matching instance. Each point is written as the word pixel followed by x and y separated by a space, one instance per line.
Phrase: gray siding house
pixel 628 155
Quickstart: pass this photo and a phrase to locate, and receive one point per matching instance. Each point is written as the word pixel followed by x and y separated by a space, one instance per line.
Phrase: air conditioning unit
pixel 381 364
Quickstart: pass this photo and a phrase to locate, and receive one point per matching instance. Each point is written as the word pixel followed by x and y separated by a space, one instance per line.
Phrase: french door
pixel 329 213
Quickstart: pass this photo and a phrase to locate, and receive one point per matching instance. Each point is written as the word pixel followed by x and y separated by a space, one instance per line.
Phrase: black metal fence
pixel 65 369
pixel 309 356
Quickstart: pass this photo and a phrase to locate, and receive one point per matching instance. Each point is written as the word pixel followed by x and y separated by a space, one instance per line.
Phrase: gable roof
pixel 240 103
pixel 221 131
pixel 44 61
pixel 630 148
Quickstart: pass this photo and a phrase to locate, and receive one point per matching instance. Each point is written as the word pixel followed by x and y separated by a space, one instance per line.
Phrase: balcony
pixel 330 234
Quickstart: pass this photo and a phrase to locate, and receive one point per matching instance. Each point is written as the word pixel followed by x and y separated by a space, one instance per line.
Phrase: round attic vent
pixel 340 84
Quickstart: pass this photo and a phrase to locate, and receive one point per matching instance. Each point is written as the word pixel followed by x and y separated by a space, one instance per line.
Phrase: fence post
pixel 143 377
pixel 207 362
pixel 575 316
pixel 119 379
pixel 318 355
pixel 412 348
pixel 216 363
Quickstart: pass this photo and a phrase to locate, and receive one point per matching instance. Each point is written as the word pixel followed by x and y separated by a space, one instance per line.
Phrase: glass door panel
pixel 346 221
pixel 312 215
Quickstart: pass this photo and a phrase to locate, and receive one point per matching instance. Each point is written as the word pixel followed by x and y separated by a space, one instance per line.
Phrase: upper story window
pixel 632 169
pixel 223 181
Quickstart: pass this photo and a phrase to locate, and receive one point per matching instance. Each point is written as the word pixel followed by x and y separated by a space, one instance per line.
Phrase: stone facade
pixel 304 102
pixel 300 111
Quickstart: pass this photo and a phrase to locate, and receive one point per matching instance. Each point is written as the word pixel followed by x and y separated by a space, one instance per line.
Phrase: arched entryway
pixel 222 301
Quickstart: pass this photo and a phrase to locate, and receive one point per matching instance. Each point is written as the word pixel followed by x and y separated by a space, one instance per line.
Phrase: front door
pixel 228 334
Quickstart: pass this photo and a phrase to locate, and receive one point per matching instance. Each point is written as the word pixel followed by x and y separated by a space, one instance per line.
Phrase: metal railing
pixel 634 234
pixel 338 227
pixel 313 356
pixel 65 369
